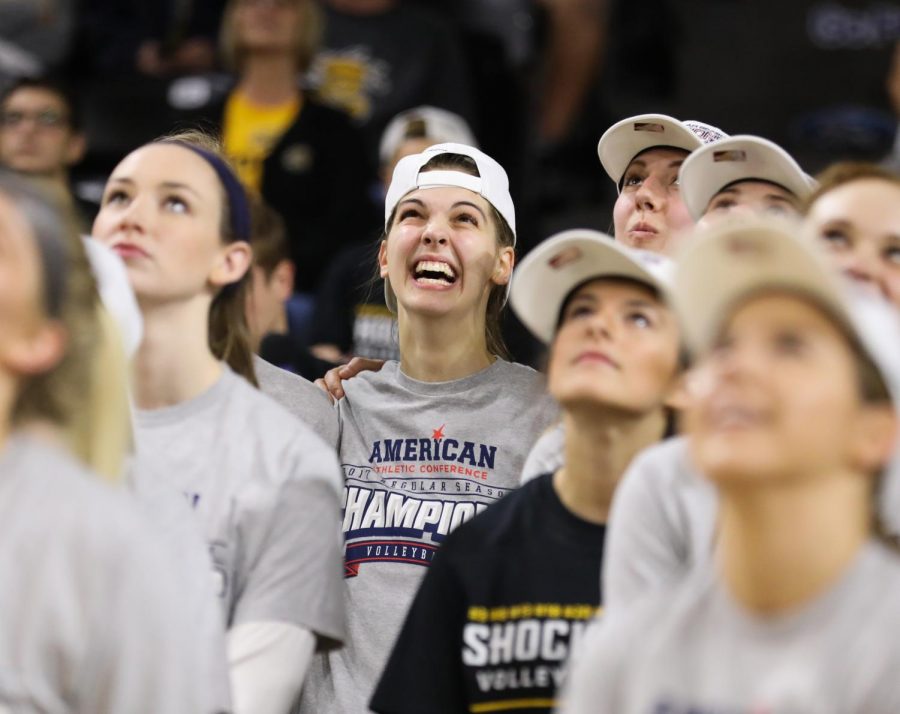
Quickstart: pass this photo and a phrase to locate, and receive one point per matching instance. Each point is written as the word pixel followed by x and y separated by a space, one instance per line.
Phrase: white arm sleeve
pixel 268 663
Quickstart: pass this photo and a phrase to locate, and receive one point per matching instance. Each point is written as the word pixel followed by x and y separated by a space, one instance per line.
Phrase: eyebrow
pixel 164 184
pixel 455 205
pixel 631 302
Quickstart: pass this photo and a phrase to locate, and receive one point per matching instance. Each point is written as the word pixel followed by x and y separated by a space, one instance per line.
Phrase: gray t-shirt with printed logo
pixel 266 490
pixel 93 618
pixel 695 650
pixel 419 459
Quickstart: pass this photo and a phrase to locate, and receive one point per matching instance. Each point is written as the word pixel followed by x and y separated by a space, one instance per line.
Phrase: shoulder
pixel 300 397
pixel 506 521
pixel 279 438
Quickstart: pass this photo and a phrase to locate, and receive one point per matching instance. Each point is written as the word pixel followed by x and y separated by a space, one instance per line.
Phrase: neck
pixel 269 79
pixel 174 362
pixel 442 349
pixel 277 326
pixel 599 447
pixel 780 547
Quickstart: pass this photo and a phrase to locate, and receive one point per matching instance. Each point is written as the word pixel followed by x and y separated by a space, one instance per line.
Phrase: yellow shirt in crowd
pixel 250 131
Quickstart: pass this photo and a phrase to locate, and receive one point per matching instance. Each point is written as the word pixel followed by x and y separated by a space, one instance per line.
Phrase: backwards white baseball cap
pixel 739 158
pixel 549 273
pixel 492 184
pixel 424 122
pixel 626 139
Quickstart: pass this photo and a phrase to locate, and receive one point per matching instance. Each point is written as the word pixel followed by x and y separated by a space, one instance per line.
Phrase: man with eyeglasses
pixel 40 133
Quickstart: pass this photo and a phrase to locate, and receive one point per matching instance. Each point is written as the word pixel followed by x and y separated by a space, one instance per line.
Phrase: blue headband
pixel 239 208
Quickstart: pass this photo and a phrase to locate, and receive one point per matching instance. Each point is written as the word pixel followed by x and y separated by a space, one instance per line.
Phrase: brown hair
pixel 493 333
pixel 85 394
pixel 229 333
pixel 270 246
pixel 844 172
pixel 307 45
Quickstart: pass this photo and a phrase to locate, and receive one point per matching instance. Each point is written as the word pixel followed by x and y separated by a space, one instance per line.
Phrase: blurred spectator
pixel 159 38
pixel 35 35
pixel 278 322
pixel 307 160
pixel 41 137
pixel 351 318
pixel 380 57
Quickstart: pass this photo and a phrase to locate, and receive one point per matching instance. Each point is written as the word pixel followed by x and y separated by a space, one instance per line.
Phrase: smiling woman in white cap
pixel 794 422
pixel 742 175
pixel 529 566
pixel 642 155
pixel 431 440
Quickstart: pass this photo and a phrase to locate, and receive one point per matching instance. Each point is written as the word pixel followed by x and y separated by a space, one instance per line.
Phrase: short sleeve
pixel 643 547
pixel 424 672
pixel 291 570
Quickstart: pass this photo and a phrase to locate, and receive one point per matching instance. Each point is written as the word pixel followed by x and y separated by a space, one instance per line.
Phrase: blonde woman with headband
pixel 794 421
pixel 433 439
pixel 92 616
pixel 263 487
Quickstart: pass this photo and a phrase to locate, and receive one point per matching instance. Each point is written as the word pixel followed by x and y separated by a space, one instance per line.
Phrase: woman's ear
pixel 503 268
pixel 679 394
pixel 38 352
pixel 233 262
pixel 382 259
pixel 876 437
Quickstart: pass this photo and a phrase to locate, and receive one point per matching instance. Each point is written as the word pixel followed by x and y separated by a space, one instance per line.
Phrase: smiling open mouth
pixel 434 272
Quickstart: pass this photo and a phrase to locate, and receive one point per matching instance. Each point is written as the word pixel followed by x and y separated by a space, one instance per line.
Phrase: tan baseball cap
pixel 549 273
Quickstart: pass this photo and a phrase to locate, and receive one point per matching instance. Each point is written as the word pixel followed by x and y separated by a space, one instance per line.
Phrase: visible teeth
pixel 433 266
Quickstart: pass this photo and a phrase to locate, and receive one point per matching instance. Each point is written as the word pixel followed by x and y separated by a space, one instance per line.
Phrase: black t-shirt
pixel 505 598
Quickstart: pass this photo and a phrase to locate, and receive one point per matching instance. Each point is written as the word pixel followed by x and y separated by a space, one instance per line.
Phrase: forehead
pixel 445 197
pixel 615 288
pixel 776 308
pixel 35 97
pixel 660 156
pixel 861 196
pixel 165 163
pixel 757 188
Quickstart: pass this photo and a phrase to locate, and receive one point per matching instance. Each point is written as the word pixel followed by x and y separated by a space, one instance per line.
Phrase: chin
pixel 731 459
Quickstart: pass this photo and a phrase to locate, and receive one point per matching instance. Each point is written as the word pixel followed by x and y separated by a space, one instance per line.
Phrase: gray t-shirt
pixel 300 397
pixel 92 616
pixel 548 454
pixel 266 490
pixel 419 459
pixel 695 650
pixel 662 521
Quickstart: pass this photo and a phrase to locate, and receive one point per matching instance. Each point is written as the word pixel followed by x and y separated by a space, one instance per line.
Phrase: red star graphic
pixel 438 433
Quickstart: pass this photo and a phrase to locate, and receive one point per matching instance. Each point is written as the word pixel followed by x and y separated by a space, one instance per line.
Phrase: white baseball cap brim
pixel 438 125
pixel 550 272
pixel 492 184
pixel 739 158
pixel 634 135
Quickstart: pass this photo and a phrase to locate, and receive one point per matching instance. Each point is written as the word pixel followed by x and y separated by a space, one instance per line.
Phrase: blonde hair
pixel 229 333
pixel 85 394
pixel 308 41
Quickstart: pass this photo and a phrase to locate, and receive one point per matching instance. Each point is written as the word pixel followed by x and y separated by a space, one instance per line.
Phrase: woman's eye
pixel 892 254
pixel 835 238
pixel 722 204
pixel 632 180
pixel 776 209
pixel 639 319
pixel 468 218
pixel 789 343
pixel 114 197
pixel 409 213
pixel 175 204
